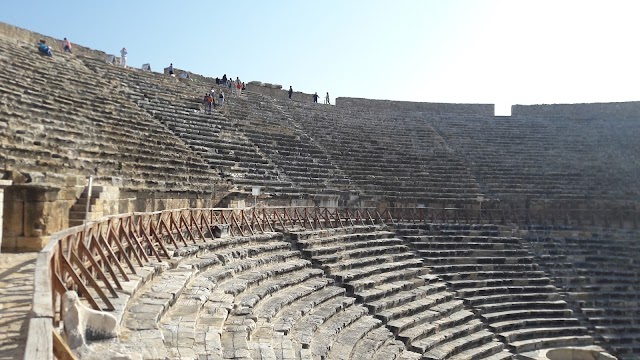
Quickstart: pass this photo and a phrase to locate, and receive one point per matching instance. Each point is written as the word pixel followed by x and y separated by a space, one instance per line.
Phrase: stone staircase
pixel 383 274
pixel 499 280
pixel 598 273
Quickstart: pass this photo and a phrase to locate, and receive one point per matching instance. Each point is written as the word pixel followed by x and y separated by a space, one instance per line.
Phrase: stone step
pixel 414 307
pixel 416 333
pixel 316 248
pixel 359 254
pixel 303 331
pixel 489 244
pixel 386 289
pixel 541 332
pixel 526 313
pixel 250 296
pixel 464 260
pixel 543 343
pixel 458 345
pixel 290 315
pixel 254 270
pixel 510 325
pixel 404 297
pixel 155 299
pixel 349 339
pixel 488 283
pixel 486 275
pixel 371 286
pixel 329 331
pixel 377 341
pixel 493 350
pixel 500 290
pixel 269 307
pixel 475 301
pixel 490 308
pixel 426 316
pixel 381 265
pixel 355 265
pixel 453 269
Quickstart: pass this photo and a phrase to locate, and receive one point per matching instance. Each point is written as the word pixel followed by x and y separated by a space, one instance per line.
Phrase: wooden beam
pixel 60 349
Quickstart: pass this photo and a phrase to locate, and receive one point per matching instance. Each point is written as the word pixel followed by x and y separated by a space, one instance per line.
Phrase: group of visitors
pixel 315 96
pixel 210 100
pixel 235 87
pixel 44 49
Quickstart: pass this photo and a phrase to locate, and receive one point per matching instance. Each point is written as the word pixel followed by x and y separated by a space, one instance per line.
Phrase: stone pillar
pixel 3 185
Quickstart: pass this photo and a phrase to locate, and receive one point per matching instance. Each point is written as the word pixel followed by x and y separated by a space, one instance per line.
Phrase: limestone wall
pixel 629 109
pixel 17 33
pixel 33 212
pixel 280 92
pixel 438 108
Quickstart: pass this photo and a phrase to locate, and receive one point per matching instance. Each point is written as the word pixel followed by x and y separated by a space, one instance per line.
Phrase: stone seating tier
pixel 598 275
pixel 543 157
pixel 375 267
pixel 86 126
pixel 479 269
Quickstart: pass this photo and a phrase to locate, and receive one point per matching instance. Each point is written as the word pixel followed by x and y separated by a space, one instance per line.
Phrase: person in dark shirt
pixel 315 97
pixel 290 91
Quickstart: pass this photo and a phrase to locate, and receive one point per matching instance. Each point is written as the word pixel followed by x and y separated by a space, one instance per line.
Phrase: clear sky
pixel 474 51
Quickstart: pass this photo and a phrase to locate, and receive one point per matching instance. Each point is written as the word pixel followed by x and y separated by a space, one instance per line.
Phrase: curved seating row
pixel 62 119
pixel 251 298
pixel 498 279
pixel 598 273
pixel 382 272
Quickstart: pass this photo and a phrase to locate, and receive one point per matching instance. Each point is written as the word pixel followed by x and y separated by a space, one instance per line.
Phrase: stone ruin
pixel 407 291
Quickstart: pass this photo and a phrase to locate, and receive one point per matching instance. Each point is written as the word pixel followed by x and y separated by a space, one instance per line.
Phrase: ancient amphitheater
pixel 283 229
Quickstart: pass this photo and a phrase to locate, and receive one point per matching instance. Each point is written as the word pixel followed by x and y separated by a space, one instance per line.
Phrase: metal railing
pixel 94 259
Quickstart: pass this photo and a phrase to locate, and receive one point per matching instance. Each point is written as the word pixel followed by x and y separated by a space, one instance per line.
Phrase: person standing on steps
pixel 221 98
pixel 123 57
pixel 171 69
pixel 66 45
pixel 290 91
pixel 238 86
pixel 44 49
pixel 315 98
pixel 326 99
pixel 213 96
pixel 208 100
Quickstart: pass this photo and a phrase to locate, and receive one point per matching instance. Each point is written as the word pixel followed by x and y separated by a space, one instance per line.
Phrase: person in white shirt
pixel 123 57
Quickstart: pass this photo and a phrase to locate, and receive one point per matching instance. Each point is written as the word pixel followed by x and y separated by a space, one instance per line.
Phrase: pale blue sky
pixel 477 51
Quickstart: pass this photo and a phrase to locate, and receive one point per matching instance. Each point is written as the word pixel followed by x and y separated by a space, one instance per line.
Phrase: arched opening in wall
pixel 502 109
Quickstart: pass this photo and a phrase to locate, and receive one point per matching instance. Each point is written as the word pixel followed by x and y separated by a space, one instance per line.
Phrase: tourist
pixel 171 69
pixel 221 98
pixel 213 97
pixel 326 99
pixel 224 80
pixel 217 81
pixel 66 45
pixel 290 91
pixel 243 86
pixel 208 100
pixel 123 57
pixel 315 97
pixel 44 49
pixel 238 87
